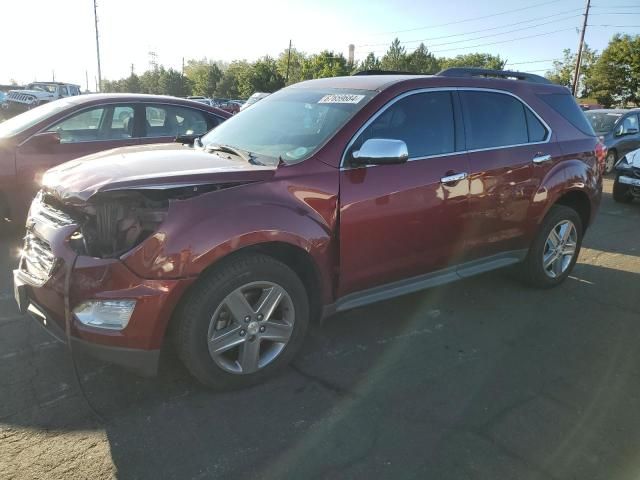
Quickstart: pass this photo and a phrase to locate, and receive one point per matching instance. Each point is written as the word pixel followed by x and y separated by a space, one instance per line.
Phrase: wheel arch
pixel 579 201
pixel 294 256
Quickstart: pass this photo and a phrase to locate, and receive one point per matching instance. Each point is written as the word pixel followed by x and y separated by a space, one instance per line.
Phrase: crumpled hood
pixel 633 158
pixel 159 166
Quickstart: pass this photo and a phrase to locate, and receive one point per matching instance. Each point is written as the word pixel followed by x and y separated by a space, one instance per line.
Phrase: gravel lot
pixel 483 379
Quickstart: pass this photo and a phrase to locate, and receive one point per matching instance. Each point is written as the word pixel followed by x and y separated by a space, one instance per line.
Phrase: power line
pixel 480 30
pixel 496 43
pixel 470 19
pixel 615 26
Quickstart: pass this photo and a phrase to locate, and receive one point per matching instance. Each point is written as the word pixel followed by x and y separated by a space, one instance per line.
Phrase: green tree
pixel 262 76
pixel 229 85
pixel 203 76
pixel 295 65
pixel 325 64
pixel 395 58
pixel 564 70
pixel 371 62
pixel 474 60
pixel 172 82
pixel 131 84
pixel 615 78
pixel 422 61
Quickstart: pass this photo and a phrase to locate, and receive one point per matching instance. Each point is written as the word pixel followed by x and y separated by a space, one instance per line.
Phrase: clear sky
pixel 43 36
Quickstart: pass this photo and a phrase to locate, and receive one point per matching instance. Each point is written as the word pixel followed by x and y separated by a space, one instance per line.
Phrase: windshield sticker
pixel 615 114
pixel 341 98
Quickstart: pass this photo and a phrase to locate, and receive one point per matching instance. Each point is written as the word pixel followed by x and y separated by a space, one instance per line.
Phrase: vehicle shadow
pixel 481 379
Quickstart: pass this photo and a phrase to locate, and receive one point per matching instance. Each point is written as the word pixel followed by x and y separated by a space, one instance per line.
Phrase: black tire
pixel 195 314
pixel 621 192
pixel 610 161
pixel 532 270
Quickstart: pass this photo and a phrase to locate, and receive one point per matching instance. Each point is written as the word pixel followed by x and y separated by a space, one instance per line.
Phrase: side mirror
pixel 46 139
pixel 619 131
pixel 381 151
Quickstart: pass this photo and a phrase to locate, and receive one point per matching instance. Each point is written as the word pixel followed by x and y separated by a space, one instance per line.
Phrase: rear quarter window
pixel 566 105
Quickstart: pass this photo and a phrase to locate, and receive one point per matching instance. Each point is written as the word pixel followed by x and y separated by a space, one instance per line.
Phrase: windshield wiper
pixel 247 156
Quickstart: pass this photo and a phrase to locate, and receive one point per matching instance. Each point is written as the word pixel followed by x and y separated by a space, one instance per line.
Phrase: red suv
pixel 327 195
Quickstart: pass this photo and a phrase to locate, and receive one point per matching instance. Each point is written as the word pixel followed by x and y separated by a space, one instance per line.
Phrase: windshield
pixel 289 125
pixel 43 87
pixel 28 119
pixel 602 122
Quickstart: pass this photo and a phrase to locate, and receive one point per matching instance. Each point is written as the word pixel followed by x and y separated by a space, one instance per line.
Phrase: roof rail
pixel 383 72
pixel 483 72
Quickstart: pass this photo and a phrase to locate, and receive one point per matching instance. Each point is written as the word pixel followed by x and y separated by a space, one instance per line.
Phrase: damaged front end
pixel 112 223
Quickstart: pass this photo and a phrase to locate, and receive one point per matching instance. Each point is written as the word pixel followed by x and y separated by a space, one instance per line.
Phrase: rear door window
pixel 424 121
pixel 122 122
pixel 495 120
pixel 172 120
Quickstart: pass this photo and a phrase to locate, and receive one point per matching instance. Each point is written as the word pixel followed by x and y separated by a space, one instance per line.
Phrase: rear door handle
pixel 539 158
pixel 456 177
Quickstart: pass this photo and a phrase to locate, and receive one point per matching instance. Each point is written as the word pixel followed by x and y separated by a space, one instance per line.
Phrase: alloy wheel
pixel 610 162
pixel 251 327
pixel 560 248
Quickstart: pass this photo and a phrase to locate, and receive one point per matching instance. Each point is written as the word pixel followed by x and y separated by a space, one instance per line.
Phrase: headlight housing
pixel 108 314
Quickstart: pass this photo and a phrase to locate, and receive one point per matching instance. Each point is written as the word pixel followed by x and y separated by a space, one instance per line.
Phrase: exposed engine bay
pixel 112 223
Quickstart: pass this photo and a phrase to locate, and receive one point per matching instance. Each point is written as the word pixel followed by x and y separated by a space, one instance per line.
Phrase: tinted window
pixel 493 120
pixel 81 127
pixel 630 123
pixel 64 92
pixel 537 131
pixel 565 105
pixel 602 122
pixel 424 121
pixel 121 123
pixel 171 120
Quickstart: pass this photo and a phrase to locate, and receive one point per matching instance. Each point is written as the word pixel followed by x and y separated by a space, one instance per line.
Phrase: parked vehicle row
pixel 324 196
pixel 619 131
pixel 36 94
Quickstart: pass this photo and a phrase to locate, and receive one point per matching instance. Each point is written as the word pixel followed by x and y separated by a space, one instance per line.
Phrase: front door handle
pixel 454 178
pixel 539 158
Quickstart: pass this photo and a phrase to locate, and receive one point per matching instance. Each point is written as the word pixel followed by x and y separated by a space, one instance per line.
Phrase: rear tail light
pixel 601 153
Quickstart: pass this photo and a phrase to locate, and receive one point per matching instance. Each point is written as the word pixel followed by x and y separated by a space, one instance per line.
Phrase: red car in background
pixel 73 127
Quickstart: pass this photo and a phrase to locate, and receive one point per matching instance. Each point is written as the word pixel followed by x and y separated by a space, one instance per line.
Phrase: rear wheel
pixel 621 192
pixel 555 249
pixel 242 322
pixel 610 161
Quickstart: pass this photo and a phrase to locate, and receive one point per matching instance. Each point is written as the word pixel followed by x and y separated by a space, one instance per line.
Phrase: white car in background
pixel 253 99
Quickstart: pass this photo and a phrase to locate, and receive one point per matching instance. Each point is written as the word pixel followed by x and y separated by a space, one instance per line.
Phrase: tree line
pixel 610 77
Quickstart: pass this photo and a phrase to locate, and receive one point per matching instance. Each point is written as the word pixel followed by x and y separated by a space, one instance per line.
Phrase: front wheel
pixel 242 322
pixel 621 192
pixel 555 249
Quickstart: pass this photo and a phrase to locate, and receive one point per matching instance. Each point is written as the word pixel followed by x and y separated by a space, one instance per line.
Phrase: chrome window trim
pixel 444 89
pixel 108 104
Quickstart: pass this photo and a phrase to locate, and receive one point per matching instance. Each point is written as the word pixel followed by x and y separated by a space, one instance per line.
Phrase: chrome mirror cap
pixel 379 151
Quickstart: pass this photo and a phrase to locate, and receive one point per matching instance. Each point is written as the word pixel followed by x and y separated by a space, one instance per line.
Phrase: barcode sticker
pixel 341 98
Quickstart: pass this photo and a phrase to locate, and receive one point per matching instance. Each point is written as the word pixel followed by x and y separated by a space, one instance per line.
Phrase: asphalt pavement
pixel 482 379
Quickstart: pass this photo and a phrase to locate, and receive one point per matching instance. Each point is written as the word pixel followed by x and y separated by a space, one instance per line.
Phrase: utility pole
pixel 86 77
pixel 183 67
pixel 132 70
pixel 286 80
pixel 576 79
pixel 53 75
pixel 95 18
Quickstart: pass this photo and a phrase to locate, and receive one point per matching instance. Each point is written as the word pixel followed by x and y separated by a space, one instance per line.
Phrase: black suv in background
pixel 619 131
